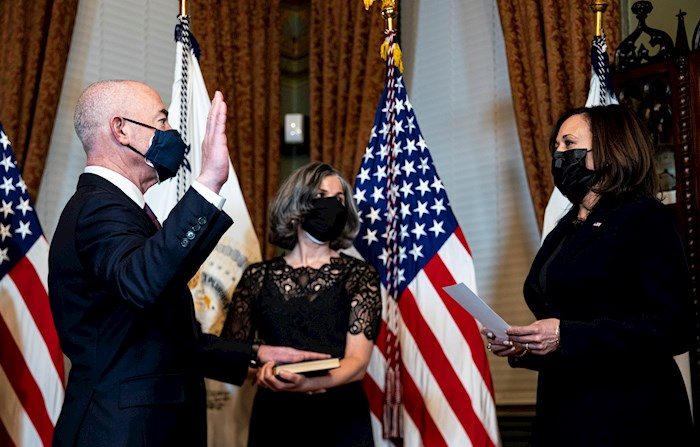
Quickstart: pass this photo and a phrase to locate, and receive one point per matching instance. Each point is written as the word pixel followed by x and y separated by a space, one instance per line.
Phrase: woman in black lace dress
pixel 313 298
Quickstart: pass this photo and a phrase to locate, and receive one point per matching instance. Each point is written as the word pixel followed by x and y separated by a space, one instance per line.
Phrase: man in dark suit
pixel 118 280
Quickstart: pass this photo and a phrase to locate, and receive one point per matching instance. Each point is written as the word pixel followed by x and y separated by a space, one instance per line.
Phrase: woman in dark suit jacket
pixel 610 290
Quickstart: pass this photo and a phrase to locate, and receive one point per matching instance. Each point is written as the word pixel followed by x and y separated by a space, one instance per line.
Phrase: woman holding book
pixel 312 298
pixel 610 290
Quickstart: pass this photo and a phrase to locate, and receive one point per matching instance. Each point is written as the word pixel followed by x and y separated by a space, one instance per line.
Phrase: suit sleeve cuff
pixel 209 195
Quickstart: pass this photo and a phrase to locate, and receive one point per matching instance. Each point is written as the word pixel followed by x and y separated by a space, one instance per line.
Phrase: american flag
pixel 31 362
pixel 446 393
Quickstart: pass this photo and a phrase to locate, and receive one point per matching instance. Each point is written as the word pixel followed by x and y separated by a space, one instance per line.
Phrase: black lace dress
pixel 314 310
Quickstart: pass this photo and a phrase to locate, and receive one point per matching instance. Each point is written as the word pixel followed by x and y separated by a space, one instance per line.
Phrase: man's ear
pixel 116 126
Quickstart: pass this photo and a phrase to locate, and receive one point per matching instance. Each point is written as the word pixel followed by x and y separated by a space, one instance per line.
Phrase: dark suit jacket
pixel 619 283
pixel 125 319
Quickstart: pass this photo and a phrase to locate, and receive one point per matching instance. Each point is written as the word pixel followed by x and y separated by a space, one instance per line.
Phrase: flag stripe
pixel 461 358
pixel 24 331
pixel 414 404
pixel 37 301
pixel 453 389
pixel 38 256
pixel 436 269
pixel 23 383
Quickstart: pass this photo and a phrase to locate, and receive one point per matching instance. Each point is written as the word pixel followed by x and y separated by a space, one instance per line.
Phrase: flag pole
pixel 599 7
pixel 183 7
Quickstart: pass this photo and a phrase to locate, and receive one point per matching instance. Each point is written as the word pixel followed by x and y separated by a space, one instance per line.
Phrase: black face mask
pixel 571 175
pixel 166 152
pixel 326 219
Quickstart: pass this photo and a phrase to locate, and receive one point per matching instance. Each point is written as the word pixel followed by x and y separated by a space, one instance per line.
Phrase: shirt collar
pixel 118 180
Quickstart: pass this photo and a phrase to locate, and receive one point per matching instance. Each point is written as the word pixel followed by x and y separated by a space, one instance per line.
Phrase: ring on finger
pixel 527 346
pixel 488 347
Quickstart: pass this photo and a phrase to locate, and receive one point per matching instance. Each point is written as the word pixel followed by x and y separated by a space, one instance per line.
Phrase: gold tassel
pixel 368 3
pixel 398 56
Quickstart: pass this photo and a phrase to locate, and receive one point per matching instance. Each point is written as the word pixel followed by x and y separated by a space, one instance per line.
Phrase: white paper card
pixel 478 309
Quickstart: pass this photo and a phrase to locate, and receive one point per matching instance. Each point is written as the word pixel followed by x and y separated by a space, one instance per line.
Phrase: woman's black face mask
pixel 326 219
pixel 571 175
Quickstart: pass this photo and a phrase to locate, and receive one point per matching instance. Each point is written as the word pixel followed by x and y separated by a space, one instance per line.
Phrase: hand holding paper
pixel 478 309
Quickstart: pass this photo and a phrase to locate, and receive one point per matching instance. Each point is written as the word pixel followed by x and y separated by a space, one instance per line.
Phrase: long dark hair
pixel 623 153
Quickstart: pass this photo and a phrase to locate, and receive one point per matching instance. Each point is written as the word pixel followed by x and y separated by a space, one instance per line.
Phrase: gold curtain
pixel 35 43
pixel 346 80
pixel 548 46
pixel 240 43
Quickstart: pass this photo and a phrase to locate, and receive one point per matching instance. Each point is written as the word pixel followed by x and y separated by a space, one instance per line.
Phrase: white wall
pixel 458 81
pixel 126 39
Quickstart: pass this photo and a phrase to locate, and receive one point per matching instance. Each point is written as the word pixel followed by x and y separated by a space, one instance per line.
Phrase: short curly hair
pixel 293 202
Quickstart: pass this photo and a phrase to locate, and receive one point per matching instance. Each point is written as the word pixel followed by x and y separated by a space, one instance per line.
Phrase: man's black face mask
pixel 165 153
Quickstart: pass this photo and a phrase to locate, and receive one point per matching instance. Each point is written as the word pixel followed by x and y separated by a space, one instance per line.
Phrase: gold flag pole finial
pixel 599 7
pixel 389 13
pixel 183 7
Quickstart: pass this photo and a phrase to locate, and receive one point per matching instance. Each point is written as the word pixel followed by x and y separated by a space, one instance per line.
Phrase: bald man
pixel 118 279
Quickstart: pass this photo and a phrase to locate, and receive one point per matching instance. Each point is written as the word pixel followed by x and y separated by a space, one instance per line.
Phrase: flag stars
pixel 363 176
pixel 7 185
pixel 370 237
pixel 7 162
pixel 373 214
pixel 405 210
pixel 383 152
pixel 408 105
pixel 399 84
pixel 421 209
pixel 397 148
pixel 378 194
pixel 402 253
pixel 5 231
pixel 359 196
pixel 368 154
pixel 380 173
pixel 6 209
pixel 421 143
pixel 437 228
pixel 385 129
pixel 424 166
pixel 24 206
pixel 419 230
pixel 406 189
pixel 408 168
pixel 437 184
pixel 3 255
pixel 398 127
pixel 24 229
pixel 423 187
pixel 403 232
pixel 416 252
pixel 4 140
pixel 384 257
pixel 410 122
pixel 438 207
pixel 21 185
pixel 410 146
pixel 373 134
pixel 399 107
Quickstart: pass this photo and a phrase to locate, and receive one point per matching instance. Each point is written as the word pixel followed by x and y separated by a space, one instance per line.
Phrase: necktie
pixel 152 216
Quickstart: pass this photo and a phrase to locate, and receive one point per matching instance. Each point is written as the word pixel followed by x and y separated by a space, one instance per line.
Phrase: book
pixel 312 367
